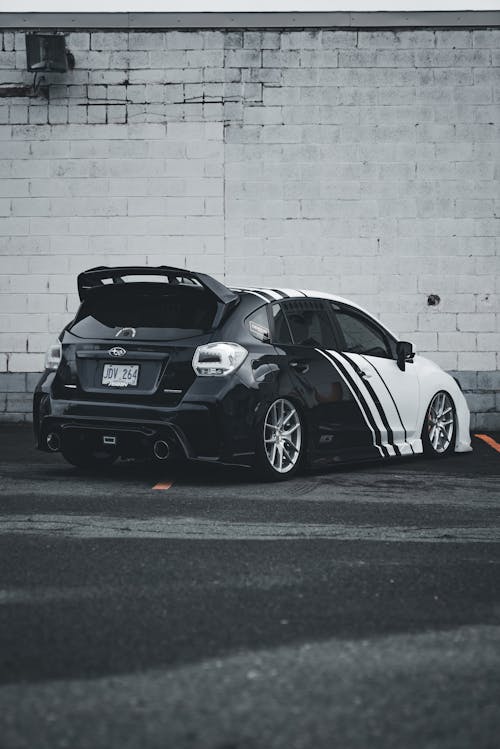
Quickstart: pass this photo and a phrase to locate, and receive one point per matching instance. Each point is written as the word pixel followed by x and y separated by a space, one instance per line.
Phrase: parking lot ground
pixel 356 607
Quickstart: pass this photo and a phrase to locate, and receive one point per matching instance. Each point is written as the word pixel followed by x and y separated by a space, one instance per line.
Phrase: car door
pixel 303 332
pixel 369 354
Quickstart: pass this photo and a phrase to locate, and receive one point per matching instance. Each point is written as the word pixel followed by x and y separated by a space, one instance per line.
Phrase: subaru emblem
pixel 117 351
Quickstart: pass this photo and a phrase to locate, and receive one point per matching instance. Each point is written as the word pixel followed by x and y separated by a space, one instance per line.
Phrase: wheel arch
pixel 461 410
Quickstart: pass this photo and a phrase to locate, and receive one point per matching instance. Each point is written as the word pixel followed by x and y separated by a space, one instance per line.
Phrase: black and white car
pixel 164 361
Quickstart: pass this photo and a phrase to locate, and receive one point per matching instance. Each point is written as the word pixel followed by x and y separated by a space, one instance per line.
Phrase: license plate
pixel 120 375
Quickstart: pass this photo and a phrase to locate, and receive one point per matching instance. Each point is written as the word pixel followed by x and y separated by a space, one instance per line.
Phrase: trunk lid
pixel 134 341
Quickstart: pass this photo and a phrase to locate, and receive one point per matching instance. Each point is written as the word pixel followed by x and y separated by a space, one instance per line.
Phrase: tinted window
pixel 156 310
pixel 310 325
pixel 258 324
pixel 361 336
pixel 281 329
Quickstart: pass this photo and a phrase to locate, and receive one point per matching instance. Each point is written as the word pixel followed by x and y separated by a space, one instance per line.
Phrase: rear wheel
pixel 440 426
pixel 280 441
pixel 84 458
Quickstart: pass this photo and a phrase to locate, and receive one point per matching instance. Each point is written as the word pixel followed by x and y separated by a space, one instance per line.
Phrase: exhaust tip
pixel 161 450
pixel 53 442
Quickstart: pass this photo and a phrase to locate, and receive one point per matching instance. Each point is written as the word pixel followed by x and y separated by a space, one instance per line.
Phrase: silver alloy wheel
pixel 441 422
pixel 282 435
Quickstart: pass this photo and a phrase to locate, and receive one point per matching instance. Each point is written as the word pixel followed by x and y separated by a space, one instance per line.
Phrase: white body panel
pixel 405 396
pixel 399 396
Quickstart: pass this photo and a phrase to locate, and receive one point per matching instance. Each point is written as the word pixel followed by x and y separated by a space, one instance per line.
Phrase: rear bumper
pixel 219 430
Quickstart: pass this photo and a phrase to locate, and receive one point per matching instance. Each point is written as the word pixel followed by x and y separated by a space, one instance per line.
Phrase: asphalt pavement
pixel 194 607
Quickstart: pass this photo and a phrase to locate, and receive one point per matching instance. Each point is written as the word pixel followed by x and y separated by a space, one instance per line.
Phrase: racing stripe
pixel 360 400
pixel 260 294
pixel 392 398
pixel 264 293
pixel 292 292
pixel 378 406
pixel 282 294
pixel 362 390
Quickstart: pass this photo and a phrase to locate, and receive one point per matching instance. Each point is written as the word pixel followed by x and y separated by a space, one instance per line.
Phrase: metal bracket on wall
pixel 36 89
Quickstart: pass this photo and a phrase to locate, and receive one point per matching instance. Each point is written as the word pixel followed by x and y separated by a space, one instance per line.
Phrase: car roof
pixel 268 294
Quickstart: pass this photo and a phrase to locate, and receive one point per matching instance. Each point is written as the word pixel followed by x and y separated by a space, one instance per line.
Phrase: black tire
pixel 285 444
pixel 89 459
pixel 440 426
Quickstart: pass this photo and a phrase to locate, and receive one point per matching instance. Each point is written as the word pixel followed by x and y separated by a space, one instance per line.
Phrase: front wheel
pixel 440 426
pixel 280 441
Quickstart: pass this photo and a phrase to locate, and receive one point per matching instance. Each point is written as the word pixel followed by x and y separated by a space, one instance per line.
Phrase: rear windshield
pixel 153 310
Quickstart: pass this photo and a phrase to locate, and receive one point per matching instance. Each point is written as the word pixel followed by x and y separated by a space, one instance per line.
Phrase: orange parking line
pixel 489 441
pixel 163 485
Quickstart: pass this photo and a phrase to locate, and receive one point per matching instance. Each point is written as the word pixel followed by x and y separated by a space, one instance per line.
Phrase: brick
pixel 263 115
pixel 233 40
pixel 486 38
pixel 18 114
pixel 12 383
pixel 146 40
pixel 245 58
pixel 338 39
pixel 453 341
pixel 109 40
pixel 270 39
pixel 19 403
pixel 32 379
pixel 437 322
pixel 25 362
pixel 445 359
pixel 78 41
pixel 488 341
pixel 318 59
pixel 481 402
pixel 489 380
pixel 7 60
pixel 301 39
pixel 467 380
pixel 476 360
pixel 453 39
pixel 184 40
pixel 479 322
pixel 213 39
pixel 8 41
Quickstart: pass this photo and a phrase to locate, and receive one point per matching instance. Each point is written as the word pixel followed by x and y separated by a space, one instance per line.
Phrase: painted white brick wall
pixel 111 194
pixel 362 162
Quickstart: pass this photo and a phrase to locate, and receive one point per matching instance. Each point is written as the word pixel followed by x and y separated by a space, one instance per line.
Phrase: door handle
pixel 365 374
pixel 300 366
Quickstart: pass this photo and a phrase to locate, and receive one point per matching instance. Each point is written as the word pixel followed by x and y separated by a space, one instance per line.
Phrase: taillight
pixel 218 359
pixel 53 356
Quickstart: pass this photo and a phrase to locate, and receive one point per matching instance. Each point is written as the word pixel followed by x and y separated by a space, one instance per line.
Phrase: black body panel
pixel 214 418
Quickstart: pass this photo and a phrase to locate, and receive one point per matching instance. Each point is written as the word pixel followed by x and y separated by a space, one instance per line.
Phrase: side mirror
pixel 404 353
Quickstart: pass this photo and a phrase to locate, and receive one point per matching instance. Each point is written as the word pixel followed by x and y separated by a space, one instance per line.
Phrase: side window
pixel 281 329
pixel 310 325
pixel 361 336
pixel 258 324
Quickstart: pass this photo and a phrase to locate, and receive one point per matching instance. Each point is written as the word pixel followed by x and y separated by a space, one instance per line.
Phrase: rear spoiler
pixel 92 278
